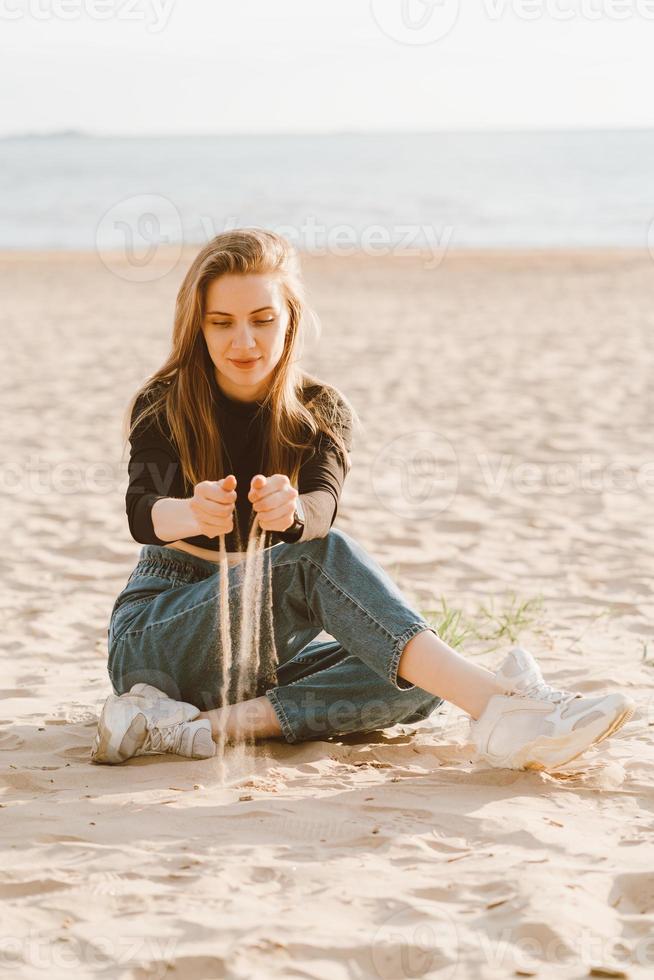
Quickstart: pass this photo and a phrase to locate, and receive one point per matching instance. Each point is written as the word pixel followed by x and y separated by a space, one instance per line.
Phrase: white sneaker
pixel 147 722
pixel 536 726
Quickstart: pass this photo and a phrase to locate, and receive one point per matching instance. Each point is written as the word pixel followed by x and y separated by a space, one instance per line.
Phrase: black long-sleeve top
pixel 155 471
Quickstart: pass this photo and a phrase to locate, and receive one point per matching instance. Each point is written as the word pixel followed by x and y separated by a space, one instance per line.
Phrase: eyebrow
pixel 220 313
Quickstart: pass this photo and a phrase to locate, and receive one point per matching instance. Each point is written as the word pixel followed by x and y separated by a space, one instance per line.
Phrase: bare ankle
pixel 251 719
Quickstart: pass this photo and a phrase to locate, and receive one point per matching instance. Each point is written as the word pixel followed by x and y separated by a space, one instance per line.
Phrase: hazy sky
pixel 162 66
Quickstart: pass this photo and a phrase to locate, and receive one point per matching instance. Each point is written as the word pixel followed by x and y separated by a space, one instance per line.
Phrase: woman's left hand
pixel 273 498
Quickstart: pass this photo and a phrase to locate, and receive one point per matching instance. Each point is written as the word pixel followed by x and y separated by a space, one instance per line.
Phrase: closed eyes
pixel 227 323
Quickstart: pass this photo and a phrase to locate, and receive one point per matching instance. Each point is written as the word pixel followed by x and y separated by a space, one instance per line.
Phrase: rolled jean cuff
pixel 287 729
pixel 399 682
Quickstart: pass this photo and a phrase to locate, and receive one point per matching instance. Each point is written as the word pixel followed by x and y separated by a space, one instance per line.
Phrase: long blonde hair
pixel 181 388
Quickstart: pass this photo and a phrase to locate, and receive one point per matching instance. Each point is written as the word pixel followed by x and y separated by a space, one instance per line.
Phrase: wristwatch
pixel 294 532
pixel 298 522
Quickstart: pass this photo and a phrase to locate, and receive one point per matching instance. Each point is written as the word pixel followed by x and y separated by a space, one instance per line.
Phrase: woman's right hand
pixel 212 506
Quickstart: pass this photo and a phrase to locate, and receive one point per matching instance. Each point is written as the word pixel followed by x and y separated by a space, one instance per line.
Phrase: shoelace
pixel 164 739
pixel 544 692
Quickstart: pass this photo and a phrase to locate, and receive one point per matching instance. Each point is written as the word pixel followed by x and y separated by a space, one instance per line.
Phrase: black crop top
pixel 154 472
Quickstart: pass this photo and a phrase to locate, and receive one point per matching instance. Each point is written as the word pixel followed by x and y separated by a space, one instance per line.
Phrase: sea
pixel 331 192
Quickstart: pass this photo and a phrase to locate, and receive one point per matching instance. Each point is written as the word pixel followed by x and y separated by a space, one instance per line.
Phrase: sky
pixel 141 67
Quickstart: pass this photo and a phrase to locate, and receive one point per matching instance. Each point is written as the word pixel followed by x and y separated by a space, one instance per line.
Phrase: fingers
pixel 279 514
pixel 216 492
pixel 273 484
pixel 209 510
pixel 212 512
pixel 281 500
pixel 272 498
pixel 260 486
pixel 213 505
pixel 212 526
pixel 268 483
pixel 213 530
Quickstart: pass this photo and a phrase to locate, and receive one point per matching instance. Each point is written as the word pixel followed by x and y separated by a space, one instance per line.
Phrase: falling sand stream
pixel 248 657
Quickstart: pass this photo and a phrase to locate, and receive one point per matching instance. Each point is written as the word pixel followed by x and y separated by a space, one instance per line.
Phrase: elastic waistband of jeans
pixel 177 558
pixel 171 556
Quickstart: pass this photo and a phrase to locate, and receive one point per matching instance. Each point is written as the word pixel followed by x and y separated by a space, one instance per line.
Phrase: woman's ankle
pixel 431 664
pixel 245 720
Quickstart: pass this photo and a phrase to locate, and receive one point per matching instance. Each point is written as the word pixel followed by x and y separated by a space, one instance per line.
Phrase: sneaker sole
pixel 616 724
pixel 106 750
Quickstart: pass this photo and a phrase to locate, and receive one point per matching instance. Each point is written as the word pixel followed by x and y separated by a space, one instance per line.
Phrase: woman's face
pixel 245 319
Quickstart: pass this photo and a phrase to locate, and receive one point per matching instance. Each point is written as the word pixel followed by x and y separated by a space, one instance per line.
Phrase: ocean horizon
pixel 331 191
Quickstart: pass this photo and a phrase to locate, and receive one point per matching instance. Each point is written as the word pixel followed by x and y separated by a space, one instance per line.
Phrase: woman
pixel 231 399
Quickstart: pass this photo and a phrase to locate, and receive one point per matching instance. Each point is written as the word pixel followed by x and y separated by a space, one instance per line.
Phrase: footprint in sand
pixel 22 889
pixel 633 893
pixel 10 740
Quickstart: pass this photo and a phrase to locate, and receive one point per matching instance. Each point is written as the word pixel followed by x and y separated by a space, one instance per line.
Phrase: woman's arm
pixel 319 515
pixel 155 479
pixel 172 519
pixel 320 484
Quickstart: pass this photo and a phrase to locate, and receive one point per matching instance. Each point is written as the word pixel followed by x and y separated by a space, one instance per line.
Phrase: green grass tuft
pixel 488 624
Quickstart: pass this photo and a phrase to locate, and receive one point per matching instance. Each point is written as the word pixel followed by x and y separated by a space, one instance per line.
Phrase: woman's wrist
pixel 173 519
pixel 296 529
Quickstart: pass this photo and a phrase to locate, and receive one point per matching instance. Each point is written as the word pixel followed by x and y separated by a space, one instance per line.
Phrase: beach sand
pixel 384 855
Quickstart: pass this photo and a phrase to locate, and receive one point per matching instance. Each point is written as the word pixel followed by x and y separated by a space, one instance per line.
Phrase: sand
pixel 385 855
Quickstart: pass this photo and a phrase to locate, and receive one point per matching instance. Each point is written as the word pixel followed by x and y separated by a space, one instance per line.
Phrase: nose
pixel 243 339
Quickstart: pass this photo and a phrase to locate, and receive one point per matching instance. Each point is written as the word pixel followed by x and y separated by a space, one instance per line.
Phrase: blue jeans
pixel 164 631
